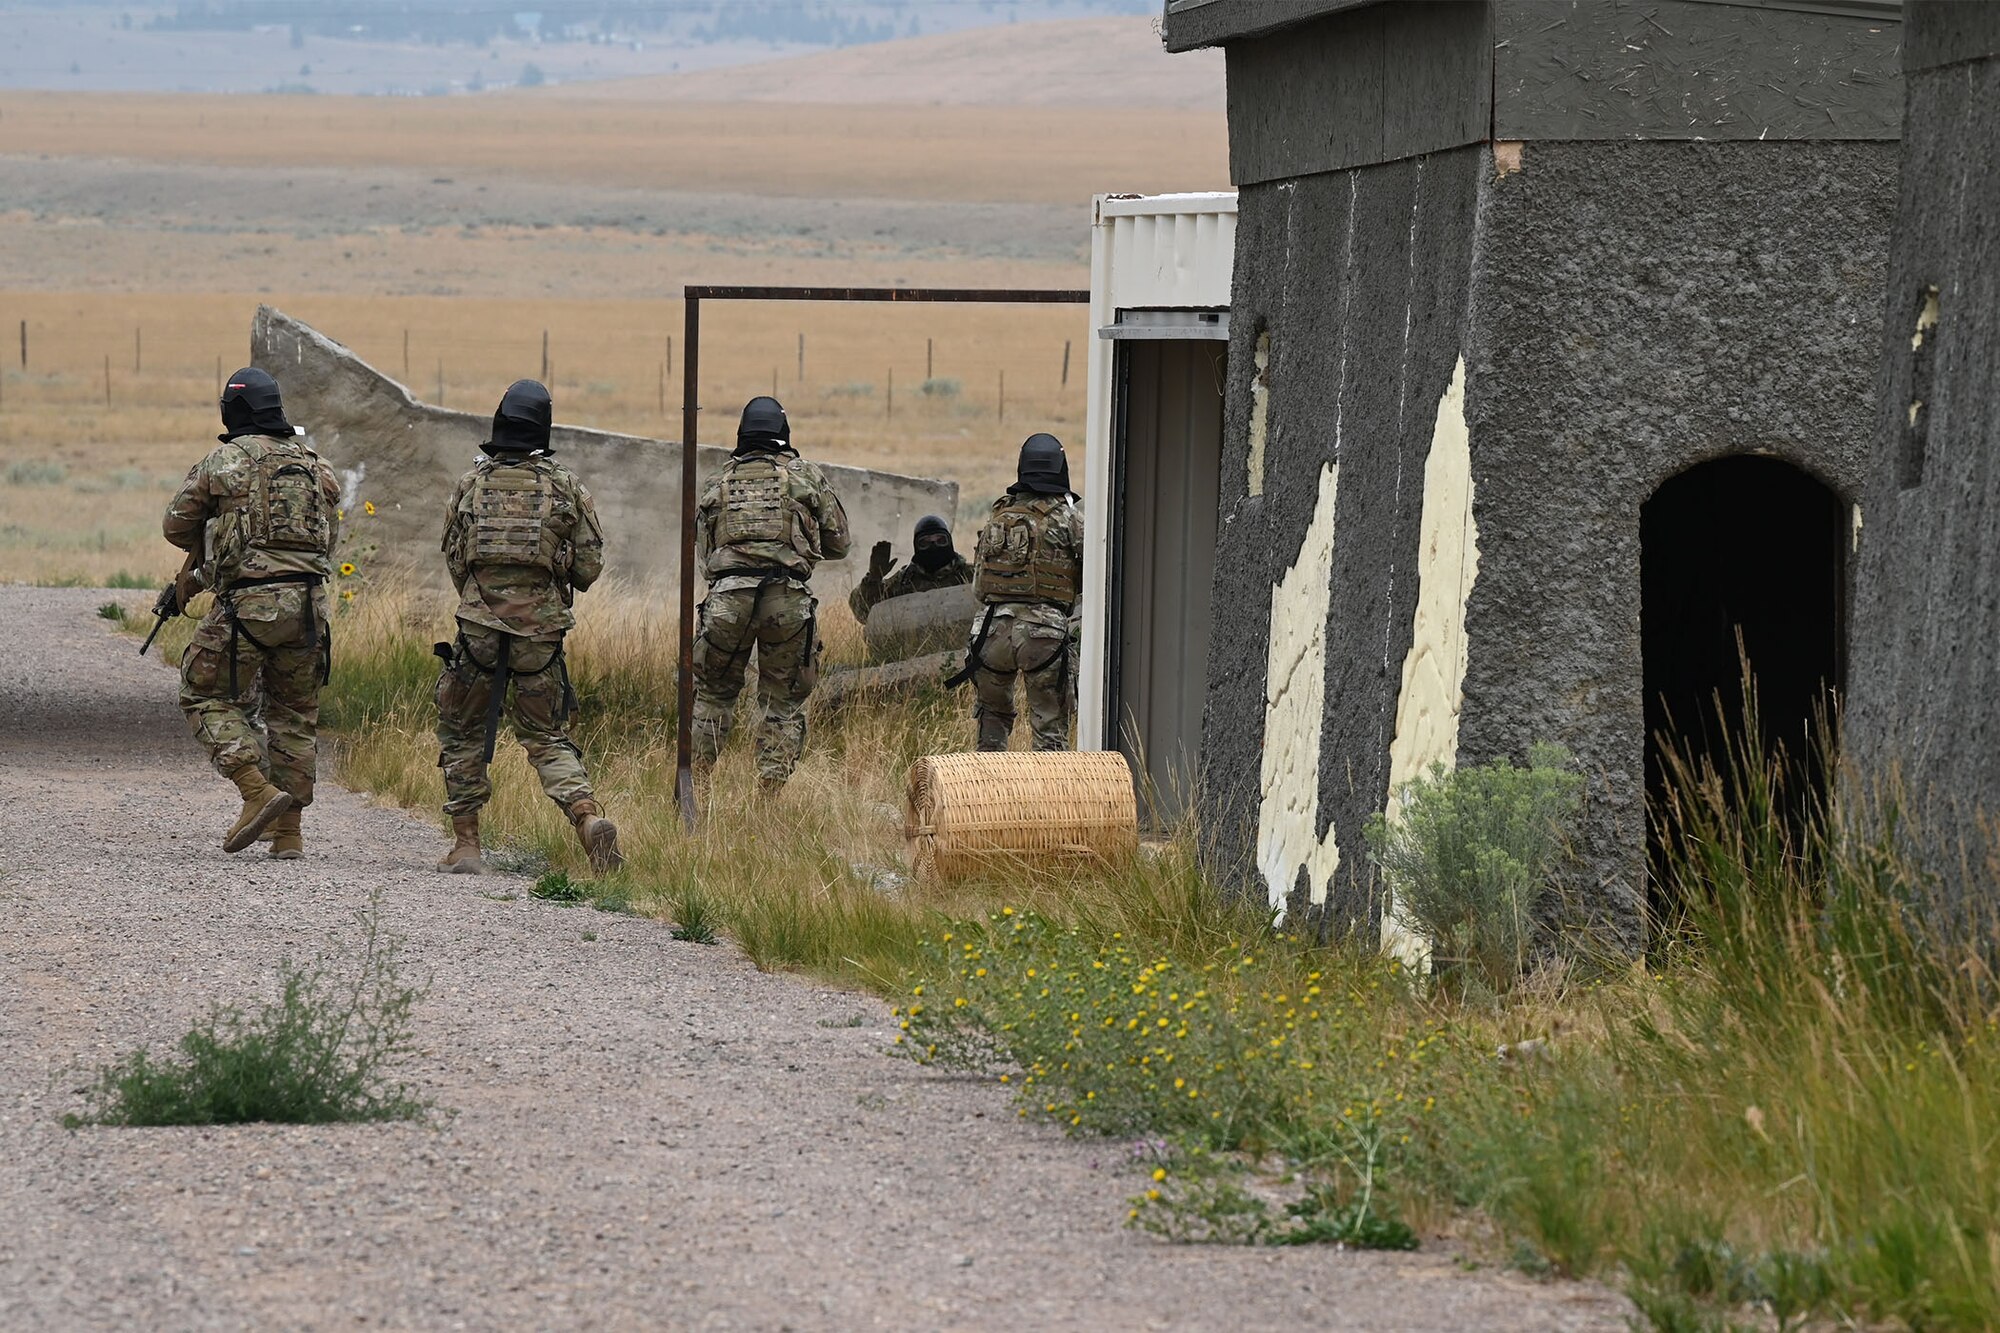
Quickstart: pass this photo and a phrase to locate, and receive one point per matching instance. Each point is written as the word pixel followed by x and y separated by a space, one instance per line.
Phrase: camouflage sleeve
pixel 865 596
pixel 189 511
pixel 449 543
pixel 586 542
pixel 704 524
pixel 834 539
pixel 329 488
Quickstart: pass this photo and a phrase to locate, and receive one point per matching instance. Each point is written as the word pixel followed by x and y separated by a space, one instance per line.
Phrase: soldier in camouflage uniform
pixel 260 511
pixel 762 525
pixel 934 563
pixel 520 539
pixel 1029 572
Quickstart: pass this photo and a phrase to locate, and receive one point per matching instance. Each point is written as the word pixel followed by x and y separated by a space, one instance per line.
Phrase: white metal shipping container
pixel 1160 270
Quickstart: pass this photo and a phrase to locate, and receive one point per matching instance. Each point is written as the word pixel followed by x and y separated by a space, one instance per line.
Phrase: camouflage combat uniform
pixel 260 509
pixel 1029 573
pixel 761 527
pixel 872 591
pixel 515 573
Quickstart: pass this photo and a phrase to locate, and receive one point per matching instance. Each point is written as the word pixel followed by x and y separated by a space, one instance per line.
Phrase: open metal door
pixel 1167 438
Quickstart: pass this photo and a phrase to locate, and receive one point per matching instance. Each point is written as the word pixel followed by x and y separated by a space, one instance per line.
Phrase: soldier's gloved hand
pixel 186 585
pixel 879 562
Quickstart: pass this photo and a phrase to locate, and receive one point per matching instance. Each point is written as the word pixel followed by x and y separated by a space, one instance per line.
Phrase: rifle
pixel 168 604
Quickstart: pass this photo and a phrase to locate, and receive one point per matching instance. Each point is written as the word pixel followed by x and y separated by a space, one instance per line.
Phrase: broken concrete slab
pixel 405 455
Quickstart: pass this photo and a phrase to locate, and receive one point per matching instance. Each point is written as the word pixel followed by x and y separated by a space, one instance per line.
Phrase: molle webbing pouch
pixel 286 509
pixel 1021 559
pixel 754 506
pixel 510 509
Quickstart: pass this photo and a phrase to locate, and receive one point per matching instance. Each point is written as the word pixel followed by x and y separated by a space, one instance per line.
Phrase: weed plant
pixel 324 1051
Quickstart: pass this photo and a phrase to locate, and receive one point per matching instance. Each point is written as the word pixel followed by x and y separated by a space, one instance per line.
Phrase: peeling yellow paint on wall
pixel 1294 714
pixel 1433 687
pixel 1260 408
pixel 1506 157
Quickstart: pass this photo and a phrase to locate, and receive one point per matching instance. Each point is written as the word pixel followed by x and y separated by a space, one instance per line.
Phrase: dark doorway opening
pixel 1751 551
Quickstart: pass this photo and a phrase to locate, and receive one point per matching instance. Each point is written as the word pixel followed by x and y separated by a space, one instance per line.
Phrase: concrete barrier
pixel 920 622
pixel 405 456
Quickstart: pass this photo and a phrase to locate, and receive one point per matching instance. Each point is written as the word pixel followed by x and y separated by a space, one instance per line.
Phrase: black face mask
pixel 931 559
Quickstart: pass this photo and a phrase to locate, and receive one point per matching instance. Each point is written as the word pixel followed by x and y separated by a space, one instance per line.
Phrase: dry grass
pixel 1011 155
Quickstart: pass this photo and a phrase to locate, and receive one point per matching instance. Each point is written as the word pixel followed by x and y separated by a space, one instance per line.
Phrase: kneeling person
pixel 520 539
pixel 261 508
pixel 934 563
pixel 1029 574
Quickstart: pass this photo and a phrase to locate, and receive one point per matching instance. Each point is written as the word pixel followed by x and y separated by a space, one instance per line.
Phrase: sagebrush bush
pixel 1470 854
pixel 324 1051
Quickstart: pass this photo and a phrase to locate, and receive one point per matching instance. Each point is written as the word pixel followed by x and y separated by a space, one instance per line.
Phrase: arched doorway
pixel 1752 547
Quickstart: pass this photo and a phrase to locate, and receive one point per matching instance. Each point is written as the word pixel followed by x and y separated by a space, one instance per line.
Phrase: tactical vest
pixel 1025 556
pixel 285 510
pixel 755 506
pixel 509 511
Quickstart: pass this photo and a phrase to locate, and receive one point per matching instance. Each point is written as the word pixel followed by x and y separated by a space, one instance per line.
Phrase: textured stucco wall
pixel 1639 308
pixel 408 455
pixel 1360 279
pixel 1925 699
pixel 1625 310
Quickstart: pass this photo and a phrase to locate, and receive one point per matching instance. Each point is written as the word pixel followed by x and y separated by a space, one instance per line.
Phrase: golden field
pixel 138 234
pixel 82 483
pixel 943 153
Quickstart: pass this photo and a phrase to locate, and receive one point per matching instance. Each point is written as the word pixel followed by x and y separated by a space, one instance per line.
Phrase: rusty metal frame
pixel 693 296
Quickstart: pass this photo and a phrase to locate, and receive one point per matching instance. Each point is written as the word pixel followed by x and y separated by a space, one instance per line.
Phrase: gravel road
pixel 644 1133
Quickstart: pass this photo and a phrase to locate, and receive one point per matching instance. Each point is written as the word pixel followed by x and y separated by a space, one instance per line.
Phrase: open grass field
pixel 82 483
pixel 441 238
pixel 952 154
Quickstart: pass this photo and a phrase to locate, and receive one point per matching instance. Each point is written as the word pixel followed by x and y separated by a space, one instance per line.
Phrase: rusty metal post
pixel 690 432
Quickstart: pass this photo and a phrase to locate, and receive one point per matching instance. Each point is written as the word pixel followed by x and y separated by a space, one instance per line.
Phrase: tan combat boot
pixel 286 844
pixel 463 858
pixel 262 804
pixel 598 835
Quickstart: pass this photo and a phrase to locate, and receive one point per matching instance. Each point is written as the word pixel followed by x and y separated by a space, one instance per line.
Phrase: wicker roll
pixel 977 813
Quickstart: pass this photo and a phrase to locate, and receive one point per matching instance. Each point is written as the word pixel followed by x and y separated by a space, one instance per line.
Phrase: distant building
pixel 1925 700
pixel 1551 361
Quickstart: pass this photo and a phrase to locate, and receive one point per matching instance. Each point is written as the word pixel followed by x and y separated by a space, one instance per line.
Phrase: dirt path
pixel 647 1133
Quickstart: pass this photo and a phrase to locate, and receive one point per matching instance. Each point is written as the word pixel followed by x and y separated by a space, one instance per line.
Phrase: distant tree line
pixel 795 22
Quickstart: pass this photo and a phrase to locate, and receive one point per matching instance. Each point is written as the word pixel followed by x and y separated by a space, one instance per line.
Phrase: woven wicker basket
pixel 976 813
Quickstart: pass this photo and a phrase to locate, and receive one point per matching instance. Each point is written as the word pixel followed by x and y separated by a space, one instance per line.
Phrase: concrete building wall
pixel 1642 307
pixel 1925 703
pixel 1461 363
pixel 1352 287
pixel 406 455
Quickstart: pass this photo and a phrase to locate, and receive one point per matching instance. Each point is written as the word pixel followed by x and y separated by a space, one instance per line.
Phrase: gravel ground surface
pixel 643 1133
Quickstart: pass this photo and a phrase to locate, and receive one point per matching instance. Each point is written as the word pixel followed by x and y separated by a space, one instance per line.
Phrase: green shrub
pixel 556 886
pixel 1471 858
pixel 940 387
pixel 322 1052
pixel 112 611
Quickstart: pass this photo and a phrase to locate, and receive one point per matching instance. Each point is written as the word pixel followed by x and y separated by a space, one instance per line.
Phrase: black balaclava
pixel 763 426
pixel 521 425
pixel 251 405
pixel 1043 468
pixel 932 543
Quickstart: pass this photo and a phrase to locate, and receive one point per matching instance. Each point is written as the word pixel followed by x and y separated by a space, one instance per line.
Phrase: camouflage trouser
pixel 777 621
pixel 1040 653
pixel 534 705
pixel 279 642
